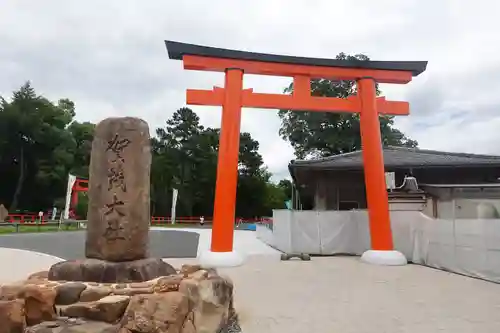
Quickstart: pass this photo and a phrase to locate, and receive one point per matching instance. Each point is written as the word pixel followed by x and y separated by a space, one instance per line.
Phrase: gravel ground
pixel 341 294
pixel 336 294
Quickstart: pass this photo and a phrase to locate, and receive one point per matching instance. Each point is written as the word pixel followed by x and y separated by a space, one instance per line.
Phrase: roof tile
pixel 402 157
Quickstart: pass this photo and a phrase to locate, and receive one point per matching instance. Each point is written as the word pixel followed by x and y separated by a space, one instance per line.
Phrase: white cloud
pixel 109 57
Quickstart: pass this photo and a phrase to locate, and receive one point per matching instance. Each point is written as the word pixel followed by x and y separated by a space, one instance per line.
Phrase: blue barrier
pixel 248 226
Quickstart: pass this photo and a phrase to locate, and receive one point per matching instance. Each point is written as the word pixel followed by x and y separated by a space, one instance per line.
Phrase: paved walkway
pixel 71 244
pixel 16 265
pixel 245 242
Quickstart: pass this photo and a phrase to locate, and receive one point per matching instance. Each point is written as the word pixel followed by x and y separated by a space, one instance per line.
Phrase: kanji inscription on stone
pixel 118 215
pixel 117 145
pixel 116 178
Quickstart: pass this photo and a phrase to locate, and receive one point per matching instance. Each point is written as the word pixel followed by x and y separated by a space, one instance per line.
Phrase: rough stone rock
pixel 188 325
pixel 167 283
pixel 133 291
pixel 39 304
pixel 232 324
pixel 108 309
pixel 198 275
pixel 95 270
pixel 72 326
pixel 211 301
pixel 156 313
pixel 189 269
pixel 69 293
pixel 42 275
pixel 12 291
pixel 141 284
pixel 12 316
pixel 119 191
pixel 194 300
pixel 94 293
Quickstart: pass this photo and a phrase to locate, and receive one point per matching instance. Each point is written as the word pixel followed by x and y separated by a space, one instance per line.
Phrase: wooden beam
pixel 290 102
pixel 281 69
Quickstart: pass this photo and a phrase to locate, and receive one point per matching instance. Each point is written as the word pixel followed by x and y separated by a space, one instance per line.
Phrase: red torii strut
pixel 233 97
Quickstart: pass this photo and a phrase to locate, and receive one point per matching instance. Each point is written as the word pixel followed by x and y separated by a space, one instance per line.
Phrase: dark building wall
pixel 453 175
pixel 334 189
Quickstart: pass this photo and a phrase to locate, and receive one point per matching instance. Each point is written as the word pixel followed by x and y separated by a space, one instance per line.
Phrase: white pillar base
pixel 209 259
pixel 384 258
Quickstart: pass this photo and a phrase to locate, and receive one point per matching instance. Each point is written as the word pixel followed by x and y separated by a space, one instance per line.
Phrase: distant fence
pixel 31 218
pixel 23 222
pixel 37 225
pixel 25 218
pixel 208 220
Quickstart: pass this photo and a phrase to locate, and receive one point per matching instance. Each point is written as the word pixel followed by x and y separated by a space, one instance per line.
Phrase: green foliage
pixel 83 134
pixel 185 157
pixel 82 206
pixel 40 143
pixel 321 134
pixel 286 187
pixel 36 149
pixel 275 196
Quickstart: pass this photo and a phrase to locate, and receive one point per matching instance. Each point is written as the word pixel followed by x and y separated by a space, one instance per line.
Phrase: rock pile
pixel 118 288
pixel 192 300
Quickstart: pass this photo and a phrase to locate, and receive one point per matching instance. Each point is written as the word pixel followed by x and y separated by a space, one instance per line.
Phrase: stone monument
pixel 118 215
pixel 118 211
pixel 118 288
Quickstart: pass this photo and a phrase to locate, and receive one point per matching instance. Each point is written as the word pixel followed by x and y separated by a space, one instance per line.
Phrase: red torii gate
pixel 233 97
pixel 81 185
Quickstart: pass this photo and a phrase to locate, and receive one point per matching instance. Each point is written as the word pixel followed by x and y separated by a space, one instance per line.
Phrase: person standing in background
pixel 202 220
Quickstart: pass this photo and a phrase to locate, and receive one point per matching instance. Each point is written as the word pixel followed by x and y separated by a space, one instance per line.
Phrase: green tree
pixel 83 134
pixel 275 198
pixel 286 187
pixel 82 206
pixel 40 143
pixel 321 134
pixel 36 149
pixel 185 157
pixel 177 147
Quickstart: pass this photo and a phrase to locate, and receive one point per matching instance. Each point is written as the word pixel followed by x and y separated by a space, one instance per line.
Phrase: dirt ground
pixel 337 294
pixel 341 294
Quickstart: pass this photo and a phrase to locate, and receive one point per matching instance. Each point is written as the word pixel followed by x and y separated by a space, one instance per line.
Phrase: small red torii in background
pixel 81 185
pixel 233 97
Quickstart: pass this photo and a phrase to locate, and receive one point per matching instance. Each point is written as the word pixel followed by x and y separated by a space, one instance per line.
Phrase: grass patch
pixel 36 228
pixel 179 225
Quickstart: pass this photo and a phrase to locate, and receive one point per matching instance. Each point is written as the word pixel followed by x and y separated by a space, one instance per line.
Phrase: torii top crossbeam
pixel 295 65
pixel 204 58
pixel 233 97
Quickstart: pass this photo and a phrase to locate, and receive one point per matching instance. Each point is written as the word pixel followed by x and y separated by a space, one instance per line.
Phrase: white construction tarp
pixel 465 246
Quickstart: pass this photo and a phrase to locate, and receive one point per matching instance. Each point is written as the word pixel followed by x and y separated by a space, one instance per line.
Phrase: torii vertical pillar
pixel 221 252
pixel 376 193
pixel 233 97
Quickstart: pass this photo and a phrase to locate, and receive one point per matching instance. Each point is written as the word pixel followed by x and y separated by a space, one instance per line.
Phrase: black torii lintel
pixel 177 50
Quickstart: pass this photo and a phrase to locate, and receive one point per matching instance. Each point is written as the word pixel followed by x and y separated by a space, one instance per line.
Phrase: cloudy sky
pixel 110 59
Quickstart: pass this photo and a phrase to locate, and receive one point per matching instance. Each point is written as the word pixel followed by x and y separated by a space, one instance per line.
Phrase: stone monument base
pixel 96 270
pixel 192 300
